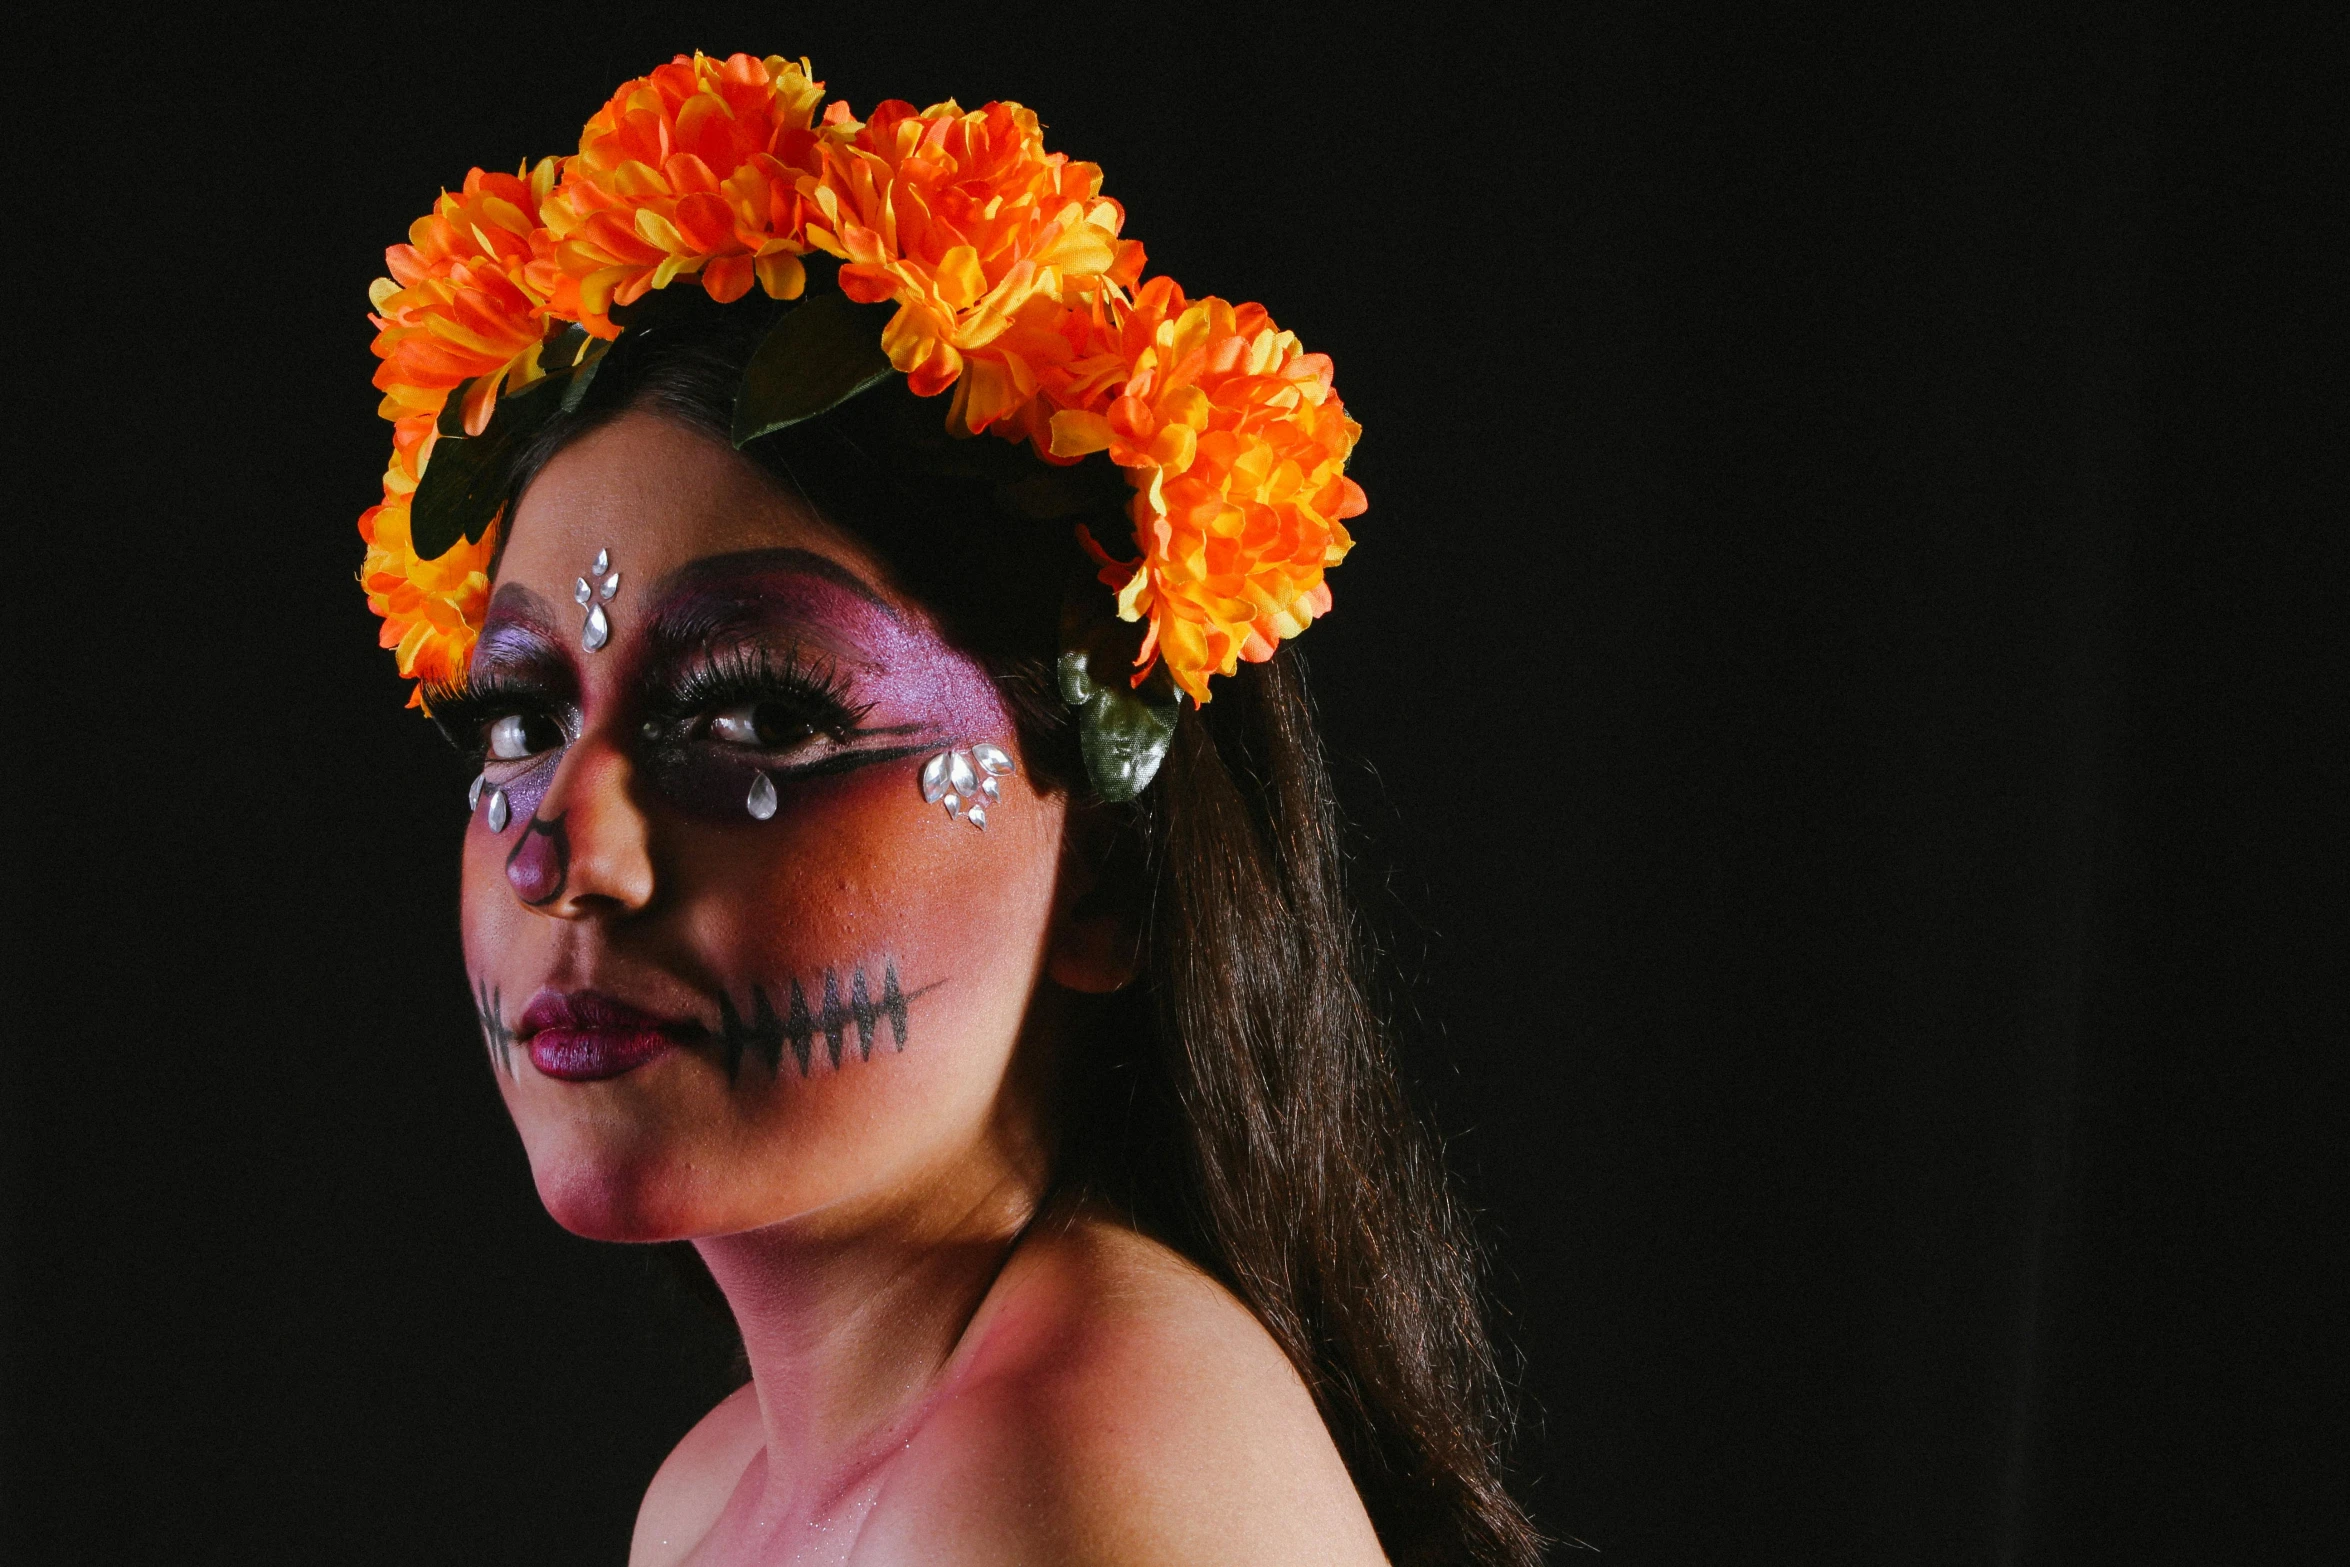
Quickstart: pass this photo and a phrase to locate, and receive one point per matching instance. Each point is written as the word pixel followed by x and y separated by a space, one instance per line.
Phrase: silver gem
pixel 987 786
pixel 934 778
pixel 473 795
pixel 499 812
pixel 991 758
pixel 954 805
pixel 592 597
pixel 761 803
pixel 979 817
pixel 959 773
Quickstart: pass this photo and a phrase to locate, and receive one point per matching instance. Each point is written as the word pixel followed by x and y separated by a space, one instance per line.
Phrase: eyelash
pixel 464 713
pixel 733 676
pixel 726 678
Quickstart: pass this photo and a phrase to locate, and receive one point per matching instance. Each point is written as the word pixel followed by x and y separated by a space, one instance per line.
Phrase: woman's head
pixel 738 961
pixel 1154 1005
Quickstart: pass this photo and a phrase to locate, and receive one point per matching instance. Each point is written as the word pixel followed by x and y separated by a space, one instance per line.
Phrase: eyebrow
pixel 515 604
pixel 723 596
pixel 518 629
pixel 722 573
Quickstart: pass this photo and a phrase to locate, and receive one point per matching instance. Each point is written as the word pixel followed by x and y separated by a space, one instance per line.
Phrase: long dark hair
pixel 1240 1102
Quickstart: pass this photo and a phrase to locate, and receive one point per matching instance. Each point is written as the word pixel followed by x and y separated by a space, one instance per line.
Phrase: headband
pixel 993 270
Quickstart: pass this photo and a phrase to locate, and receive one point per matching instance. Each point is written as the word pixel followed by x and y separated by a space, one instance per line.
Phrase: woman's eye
pixel 518 735
pixel 762 724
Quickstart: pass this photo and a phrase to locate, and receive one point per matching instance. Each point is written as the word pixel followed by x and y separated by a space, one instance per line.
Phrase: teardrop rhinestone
pixel 959 773
pixel 954 805
pixel 987 786
pixel 603 562
pixel 499 813
pixel 473 795
pixel 992 758
pixel 610 587
pixel 597 631
pixel 934 778
pixel 761 803
pixel 582 593
pixel 979 817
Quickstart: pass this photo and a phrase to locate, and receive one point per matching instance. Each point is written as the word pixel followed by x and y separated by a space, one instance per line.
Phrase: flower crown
pixel 1012 288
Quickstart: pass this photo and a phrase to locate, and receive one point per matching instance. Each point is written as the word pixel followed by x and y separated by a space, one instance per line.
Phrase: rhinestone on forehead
pixel 592 596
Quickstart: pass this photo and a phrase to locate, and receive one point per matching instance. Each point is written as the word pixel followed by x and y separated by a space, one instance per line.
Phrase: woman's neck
pixel 849 1323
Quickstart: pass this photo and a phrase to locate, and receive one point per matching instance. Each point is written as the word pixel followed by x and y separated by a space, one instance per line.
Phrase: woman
pixel 986 1016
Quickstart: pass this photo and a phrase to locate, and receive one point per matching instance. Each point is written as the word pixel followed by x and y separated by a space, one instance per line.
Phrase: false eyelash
pixel 463 713
pixel 731 676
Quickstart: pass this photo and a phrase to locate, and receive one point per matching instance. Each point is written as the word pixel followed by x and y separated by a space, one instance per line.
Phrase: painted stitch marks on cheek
pixel 540 862
pixel 489 1011
pixel 764 1032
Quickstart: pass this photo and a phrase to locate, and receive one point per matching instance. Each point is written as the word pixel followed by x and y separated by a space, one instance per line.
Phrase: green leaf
pixel 452 420
pixel 1123 731
pixel 575 380
pixel 463 486
pixel 465 479
pixel 823 352
pixel 569 358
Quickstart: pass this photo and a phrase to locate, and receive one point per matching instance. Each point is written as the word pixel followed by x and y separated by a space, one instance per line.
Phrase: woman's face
pixel 732 966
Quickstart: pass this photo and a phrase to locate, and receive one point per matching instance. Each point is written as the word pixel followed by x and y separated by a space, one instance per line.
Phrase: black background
pixel 1839 643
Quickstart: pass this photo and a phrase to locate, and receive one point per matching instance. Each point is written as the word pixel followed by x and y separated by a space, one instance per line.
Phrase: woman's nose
pixel 585 853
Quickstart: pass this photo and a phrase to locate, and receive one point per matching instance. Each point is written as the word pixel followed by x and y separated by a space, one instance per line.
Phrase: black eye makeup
pixel 780 702
pixel 503 717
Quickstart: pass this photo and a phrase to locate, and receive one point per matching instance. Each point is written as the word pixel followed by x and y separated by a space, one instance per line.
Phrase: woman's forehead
pixel 653 497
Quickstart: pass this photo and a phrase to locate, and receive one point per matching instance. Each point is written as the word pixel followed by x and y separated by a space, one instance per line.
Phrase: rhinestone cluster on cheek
pixel 953 777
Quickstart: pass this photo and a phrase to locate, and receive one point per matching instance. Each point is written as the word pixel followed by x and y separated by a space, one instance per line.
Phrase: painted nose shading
pixel 538 866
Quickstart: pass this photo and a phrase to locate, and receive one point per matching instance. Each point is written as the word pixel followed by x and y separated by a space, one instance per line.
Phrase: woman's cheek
pixel 861 919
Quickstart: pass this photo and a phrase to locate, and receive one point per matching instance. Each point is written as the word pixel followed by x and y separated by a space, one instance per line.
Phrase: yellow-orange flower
pixel 431 609
pixel 459 305
pixel 983 240
pixel 694 170
pixel 1237 448
pixel 1013 287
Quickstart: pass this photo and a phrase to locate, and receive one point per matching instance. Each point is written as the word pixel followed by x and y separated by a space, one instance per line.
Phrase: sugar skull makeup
pixel 736 942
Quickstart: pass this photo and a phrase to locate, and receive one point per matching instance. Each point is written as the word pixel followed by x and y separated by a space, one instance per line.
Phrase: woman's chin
pixel 618 1198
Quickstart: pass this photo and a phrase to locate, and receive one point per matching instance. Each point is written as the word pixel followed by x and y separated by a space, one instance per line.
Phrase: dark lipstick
pixel 585 1036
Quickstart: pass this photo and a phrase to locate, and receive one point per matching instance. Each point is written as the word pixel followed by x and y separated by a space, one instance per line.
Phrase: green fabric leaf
pixel 823 352
pixel 452 419
pixel 1123 731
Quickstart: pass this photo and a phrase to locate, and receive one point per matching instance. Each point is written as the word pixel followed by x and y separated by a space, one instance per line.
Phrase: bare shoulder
pixel 1116 1404
pixel 692 1485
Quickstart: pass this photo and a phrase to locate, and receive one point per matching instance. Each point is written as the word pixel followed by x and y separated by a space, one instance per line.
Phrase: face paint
pixel 792 633
pixel 660 931
pixel 765 1034
pixel 489 1012
pixel 540 862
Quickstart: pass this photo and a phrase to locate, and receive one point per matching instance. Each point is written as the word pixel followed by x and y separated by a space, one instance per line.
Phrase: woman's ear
pixel 1096 942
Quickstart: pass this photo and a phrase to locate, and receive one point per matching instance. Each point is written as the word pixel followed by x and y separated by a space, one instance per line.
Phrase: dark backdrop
pixel 1838 638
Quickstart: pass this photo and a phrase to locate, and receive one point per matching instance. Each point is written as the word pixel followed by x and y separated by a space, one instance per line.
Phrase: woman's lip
pixel 584 1036
pixel 585 1055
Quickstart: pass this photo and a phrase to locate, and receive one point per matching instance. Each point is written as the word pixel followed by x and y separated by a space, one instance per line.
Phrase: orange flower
pixel 693 170
pixel 1237 448
pixel 431 609
pixel 458 303
pixel 1012 286
pixel 983 239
